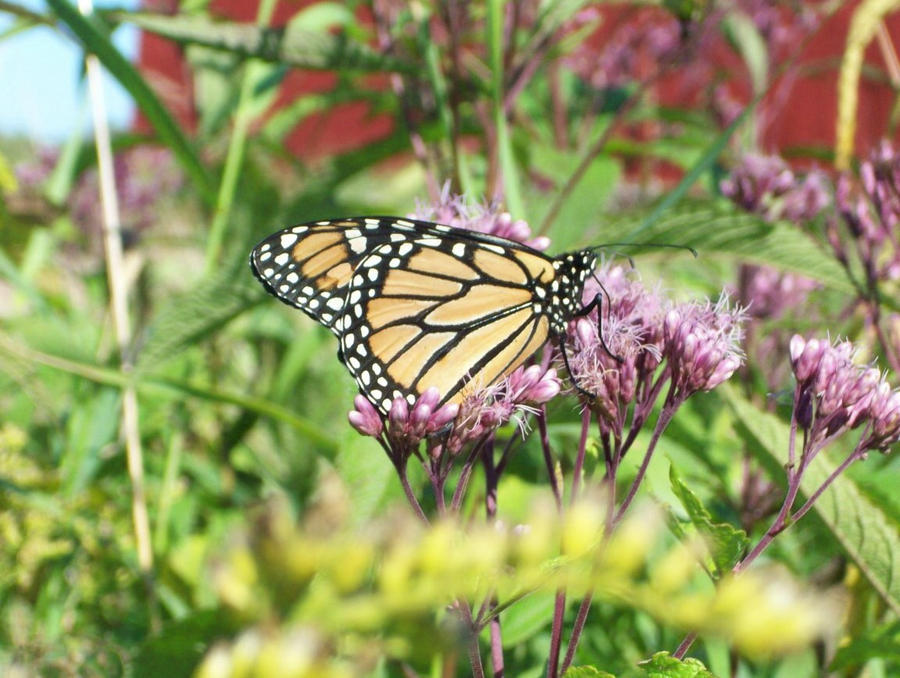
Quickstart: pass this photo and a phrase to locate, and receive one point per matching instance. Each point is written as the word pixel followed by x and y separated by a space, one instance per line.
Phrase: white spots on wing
pixel 365 378
pixel 385 404
pixel 265 247
pixel 288 239
pixel 404 249
pixel 335 303
pixel 429 242
pixel 354 362
pixel 268 273
pixel 264 256
pixel 327 317
pixel 358 280
pixel 373 274
pixel 410 398
pixel 361 349
pixel 358 245
pixel 403 223
pixel 459 250
pixel 355 296
pixel 395 262
pixel 314 304
pixel 284 288
pixel 364 331
pixel 374 260
pixel 382 381
pixel 442 228
pixel 540 292
pixel 376 368
pixel 282 258
pixel 397 237
pixel 353 233
pixel 292 278
pixel 493 248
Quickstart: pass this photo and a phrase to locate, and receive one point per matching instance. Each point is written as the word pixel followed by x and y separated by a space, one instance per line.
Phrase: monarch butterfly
pixel 416 304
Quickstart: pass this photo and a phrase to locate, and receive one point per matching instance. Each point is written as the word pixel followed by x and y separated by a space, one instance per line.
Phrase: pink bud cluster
pixel 834 394
pixel 406 424
pixel 765 185
pixel 454 210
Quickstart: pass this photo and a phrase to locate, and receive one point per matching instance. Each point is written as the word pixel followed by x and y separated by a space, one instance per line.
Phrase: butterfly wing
pixel 309 266
pixel 442 309
pixel 413 303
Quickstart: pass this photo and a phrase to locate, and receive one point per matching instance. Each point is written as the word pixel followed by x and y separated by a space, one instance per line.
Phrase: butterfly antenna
pixel 661 245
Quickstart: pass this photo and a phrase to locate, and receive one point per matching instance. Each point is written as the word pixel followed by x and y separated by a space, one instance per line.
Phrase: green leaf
pixel 322 16
pixel 744 35
pixel 195 315
pixel 726 542
pixel 663 665
pixel 290 46
pixel 178 649
pixel 861 528
pixel 717 226
pixel 526 617
pixel 586 672
pixel 882 642
pixel 93 36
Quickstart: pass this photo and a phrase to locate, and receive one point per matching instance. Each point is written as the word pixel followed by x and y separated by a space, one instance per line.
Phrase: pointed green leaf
pixel 663 665
pixel 290 46
pixel 882 642
pixel 726 542
pixel 716 227
pixel 586 672
pixel 195 315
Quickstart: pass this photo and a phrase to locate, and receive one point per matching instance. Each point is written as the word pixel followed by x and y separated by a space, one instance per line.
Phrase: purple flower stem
pixel 886 348
pixel 408 491
pixel 559 610
pixel 665 416
pixel 473 650
pixel 490 480
pixel 548 457
pixel 580 621
pixel 496 648
pixel 582 446
pixel 685 645
pixel 460 492
pixel 399 462
pixel 853 456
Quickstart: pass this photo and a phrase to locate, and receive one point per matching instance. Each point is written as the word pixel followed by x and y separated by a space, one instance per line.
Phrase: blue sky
pixel 43 91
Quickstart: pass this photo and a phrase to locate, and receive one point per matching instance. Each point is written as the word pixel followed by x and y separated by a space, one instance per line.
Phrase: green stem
pixel 234 159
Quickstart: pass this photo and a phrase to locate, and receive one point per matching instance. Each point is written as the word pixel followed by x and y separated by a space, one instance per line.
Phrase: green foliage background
pixel 242 401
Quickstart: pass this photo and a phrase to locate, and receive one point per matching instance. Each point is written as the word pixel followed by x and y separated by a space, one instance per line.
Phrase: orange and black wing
pixel 414 304
pixel 442 310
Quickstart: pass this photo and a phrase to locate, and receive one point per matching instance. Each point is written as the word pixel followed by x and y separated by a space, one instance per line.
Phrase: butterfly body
pixel 416 304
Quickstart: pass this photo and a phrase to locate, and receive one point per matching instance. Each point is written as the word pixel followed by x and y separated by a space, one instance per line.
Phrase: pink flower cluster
pixel 616 356
pixel 454 210
pixel 834 394
pixel 766 186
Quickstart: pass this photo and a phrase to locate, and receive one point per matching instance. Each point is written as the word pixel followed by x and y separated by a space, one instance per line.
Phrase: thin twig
pixel 548 457
pixel 580 621
pixel 559 611
pixel 665 416
pixel 118 292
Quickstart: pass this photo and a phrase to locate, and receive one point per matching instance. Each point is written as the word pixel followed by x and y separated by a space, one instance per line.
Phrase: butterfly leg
pixel 582 391
pixel 597 302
